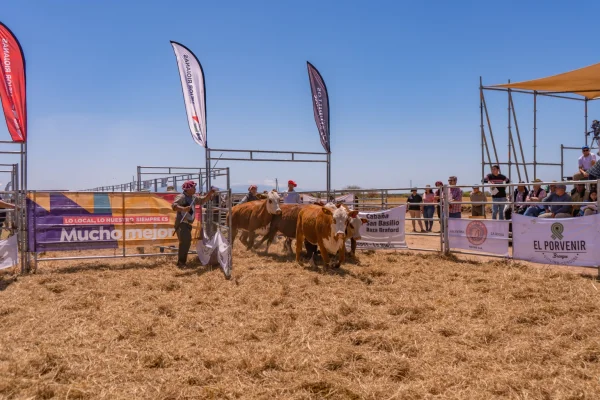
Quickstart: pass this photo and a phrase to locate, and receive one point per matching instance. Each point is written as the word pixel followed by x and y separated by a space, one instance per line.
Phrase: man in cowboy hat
pixel 184 205
pixel 291 196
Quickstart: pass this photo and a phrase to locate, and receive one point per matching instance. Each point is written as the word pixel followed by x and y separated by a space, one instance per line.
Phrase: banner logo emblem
pixel 557 229
pixel 476 233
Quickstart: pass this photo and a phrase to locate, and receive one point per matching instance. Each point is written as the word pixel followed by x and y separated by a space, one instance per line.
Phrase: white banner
pixel 384 230
pixel 194 96
pixel 487 236
pixel 557 241
pixel 206 248
pixel 9 254
pixel 347 199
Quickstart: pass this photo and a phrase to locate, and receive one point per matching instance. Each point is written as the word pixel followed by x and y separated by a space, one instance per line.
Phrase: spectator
pixel 170 189
pixel 578 194
pixel 415 208
pixel 251 195
pixel 438 199
pixel 454 205
pixel 428 210
pixel 291 196
pixel 593 173
pixel 536 195
pixel 558 211
pixel 477 196
pixel 519 196
pixel 498 192
pixel 585 162
pixel 592 207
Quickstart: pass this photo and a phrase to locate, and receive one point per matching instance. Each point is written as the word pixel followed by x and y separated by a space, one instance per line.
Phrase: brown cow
pixel 325 228
pixel 254 218
pixel 285 224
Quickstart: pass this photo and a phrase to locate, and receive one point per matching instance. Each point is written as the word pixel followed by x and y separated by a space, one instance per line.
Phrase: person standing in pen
pixel 184 204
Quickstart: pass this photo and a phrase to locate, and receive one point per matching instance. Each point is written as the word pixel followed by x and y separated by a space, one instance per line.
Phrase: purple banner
pixel 320 105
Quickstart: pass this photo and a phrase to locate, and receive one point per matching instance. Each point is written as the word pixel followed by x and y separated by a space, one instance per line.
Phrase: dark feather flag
pixel 12 87
pixel 320 105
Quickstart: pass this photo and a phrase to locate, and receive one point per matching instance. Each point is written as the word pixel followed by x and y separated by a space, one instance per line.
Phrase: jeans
pixel 533 211
pixel 455 215
pixel 498 209
pixel 428 214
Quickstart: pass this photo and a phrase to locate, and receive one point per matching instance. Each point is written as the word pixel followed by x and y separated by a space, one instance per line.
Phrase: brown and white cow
pixel 285 223
pixel 323 227
pixel 254 218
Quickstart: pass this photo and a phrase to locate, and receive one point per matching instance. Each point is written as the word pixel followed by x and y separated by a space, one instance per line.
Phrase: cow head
pixel 273 202
pixel 340 220
pixel 354 225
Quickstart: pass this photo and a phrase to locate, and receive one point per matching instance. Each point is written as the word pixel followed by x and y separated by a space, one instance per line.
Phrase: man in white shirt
pixel 291 197
pixel 585 162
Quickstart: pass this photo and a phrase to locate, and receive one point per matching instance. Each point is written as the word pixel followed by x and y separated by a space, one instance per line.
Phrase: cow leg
pixel 323 249
pixel 353 248
pixel 342 255
pixel 251 237
pixel 311 249
pixel 299 241
pixel 244 238
pixel 287 246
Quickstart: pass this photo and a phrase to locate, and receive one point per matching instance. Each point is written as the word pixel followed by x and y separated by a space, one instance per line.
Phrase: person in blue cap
pixel 585 162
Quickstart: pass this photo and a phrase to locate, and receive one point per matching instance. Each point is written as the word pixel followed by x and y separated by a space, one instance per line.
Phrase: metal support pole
pixel 510 140
pixel 534 134
pixel 123 213
pixel 487 116
pixel 482 131
pixel 328 175
pixel 562 165
pixel 208 228
pixel 585 128
pixel 139 179
pixel 514 114
pixel 445 217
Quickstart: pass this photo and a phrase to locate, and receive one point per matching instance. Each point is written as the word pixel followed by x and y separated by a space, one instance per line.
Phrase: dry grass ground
pixel 388 326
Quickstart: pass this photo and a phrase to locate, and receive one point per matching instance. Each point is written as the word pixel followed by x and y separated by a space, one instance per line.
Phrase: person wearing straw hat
pixel 184 205
pixel 537 194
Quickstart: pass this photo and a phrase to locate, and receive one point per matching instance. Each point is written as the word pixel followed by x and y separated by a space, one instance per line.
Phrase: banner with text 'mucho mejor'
pixel 81 221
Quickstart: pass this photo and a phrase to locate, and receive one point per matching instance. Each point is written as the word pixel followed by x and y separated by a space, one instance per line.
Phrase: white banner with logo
pixel 194 96
pixel 478 235
pixel 9 253
pixel 347 199
pixel 558 241
pixel 206 252
pixel 384 230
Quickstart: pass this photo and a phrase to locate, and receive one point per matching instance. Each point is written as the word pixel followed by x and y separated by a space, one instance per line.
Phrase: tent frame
pixel 512 118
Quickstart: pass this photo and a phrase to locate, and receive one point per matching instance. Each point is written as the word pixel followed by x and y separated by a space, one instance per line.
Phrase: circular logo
pixel 476 232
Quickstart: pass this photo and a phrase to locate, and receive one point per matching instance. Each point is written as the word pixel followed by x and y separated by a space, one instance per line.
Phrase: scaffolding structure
pixel 582 85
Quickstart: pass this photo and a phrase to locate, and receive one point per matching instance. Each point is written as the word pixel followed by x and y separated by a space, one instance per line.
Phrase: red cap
pixel 438 183
pixel 290 182
pixel 188 185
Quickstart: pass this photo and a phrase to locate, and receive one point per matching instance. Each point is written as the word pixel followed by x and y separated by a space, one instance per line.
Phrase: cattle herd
pixel 325 227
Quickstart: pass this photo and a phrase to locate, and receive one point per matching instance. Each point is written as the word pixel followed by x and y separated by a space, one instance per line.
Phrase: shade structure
pixel 584 82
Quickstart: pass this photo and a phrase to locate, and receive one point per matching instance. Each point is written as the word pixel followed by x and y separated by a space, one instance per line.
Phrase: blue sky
pixel 104 93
